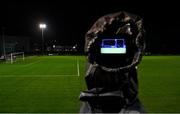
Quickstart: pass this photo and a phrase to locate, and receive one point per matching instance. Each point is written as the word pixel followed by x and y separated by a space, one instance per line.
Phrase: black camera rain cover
pixel 120 23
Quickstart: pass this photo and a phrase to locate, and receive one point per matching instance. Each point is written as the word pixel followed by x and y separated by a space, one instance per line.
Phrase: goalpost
pixel 14 56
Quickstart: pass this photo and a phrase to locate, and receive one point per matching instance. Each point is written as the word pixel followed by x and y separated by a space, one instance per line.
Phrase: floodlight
pixel 42 26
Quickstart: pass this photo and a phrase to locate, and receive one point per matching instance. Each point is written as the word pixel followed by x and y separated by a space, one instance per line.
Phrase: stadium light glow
pixel 42 26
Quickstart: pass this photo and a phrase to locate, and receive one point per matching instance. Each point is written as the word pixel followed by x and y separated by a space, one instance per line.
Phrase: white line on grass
pixel 78 68
pixel 31 63
pixel 34 76
pixel 25 75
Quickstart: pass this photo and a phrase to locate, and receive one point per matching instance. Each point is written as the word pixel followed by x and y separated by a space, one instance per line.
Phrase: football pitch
pixel 50 84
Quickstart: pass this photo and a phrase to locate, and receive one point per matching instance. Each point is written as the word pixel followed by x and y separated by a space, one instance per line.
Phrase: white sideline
pixel 34 76
pixel 25 75
pixel 78 68
pixel 31 63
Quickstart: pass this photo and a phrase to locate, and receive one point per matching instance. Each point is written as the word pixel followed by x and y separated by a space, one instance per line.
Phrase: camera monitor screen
pixel 113 46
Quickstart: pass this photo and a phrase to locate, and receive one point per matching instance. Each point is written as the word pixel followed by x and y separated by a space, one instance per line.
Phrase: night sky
pixel 68 21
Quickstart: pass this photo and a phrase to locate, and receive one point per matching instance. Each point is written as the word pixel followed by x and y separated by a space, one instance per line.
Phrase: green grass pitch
pixel 53 83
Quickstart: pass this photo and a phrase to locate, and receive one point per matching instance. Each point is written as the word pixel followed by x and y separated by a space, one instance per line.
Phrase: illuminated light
pixel 42 26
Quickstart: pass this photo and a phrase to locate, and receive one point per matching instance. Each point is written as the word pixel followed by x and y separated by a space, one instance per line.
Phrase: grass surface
pixel 159 79
pixel 51 84
pixel 41 84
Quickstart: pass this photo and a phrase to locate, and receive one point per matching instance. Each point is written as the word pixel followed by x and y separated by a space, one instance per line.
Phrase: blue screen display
pixel 113 46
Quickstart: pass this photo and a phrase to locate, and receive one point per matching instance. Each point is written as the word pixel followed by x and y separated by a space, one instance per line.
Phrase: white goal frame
pixel 14 54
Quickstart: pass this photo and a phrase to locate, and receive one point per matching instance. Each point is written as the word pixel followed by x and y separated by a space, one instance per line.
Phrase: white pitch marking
pixel 31 63
pixel 21 75
pixel 78 68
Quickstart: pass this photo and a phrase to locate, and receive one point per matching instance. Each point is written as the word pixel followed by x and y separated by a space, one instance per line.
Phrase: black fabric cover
pixel 116 24
pixel 112 79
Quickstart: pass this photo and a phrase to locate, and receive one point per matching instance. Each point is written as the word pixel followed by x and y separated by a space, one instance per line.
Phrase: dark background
pixel 68 21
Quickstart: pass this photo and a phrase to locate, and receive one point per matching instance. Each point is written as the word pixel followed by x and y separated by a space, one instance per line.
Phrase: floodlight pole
pixel 42 27
pixel 42 30
pixel 4 45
